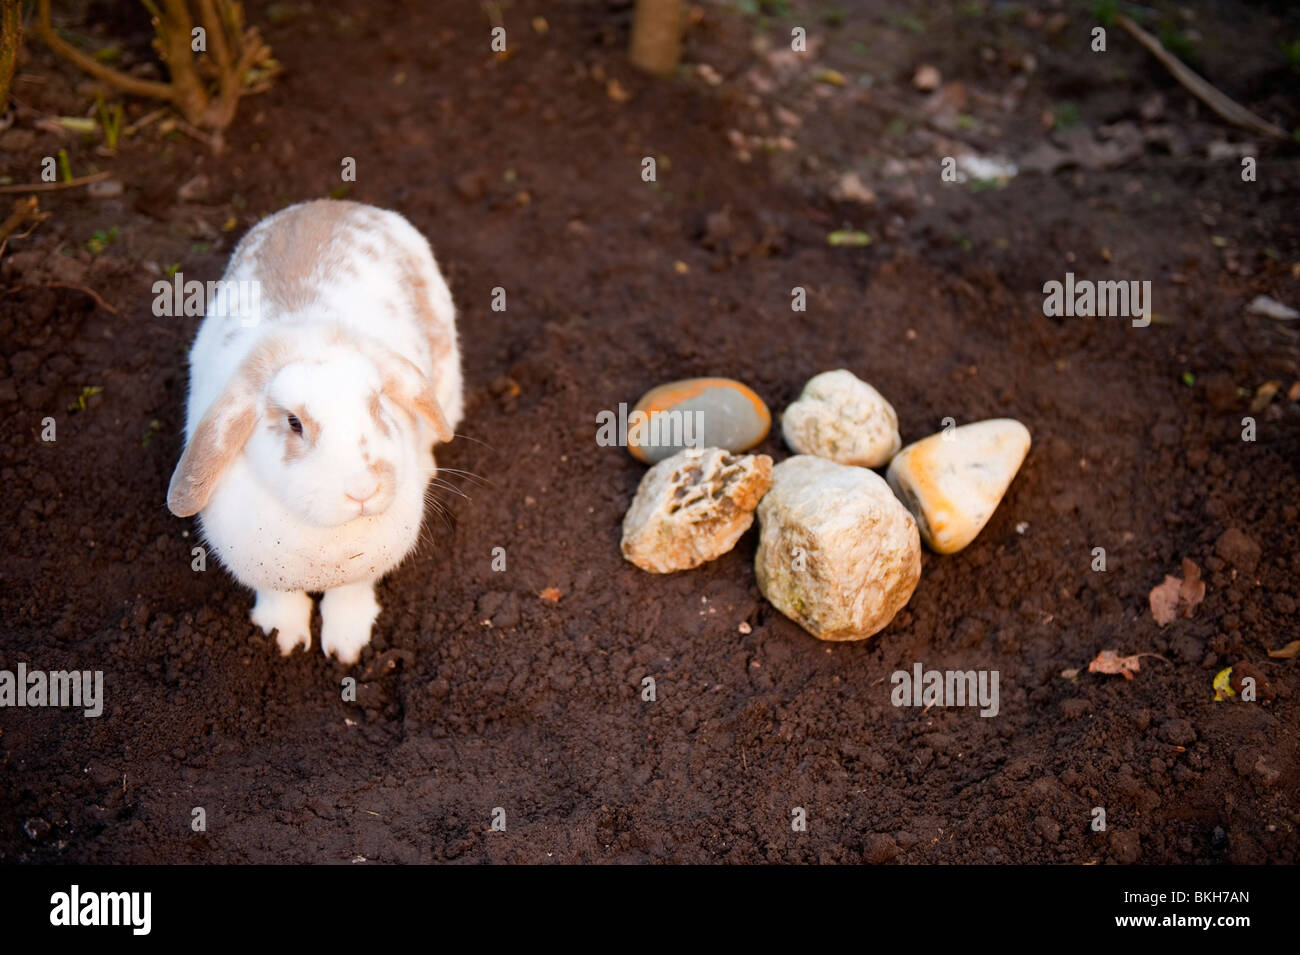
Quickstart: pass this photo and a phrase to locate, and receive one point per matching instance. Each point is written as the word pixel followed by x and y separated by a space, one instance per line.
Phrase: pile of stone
pixel 839 549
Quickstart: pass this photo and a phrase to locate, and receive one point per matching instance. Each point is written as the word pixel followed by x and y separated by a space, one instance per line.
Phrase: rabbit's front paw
pixel 347 614
pixel 288 613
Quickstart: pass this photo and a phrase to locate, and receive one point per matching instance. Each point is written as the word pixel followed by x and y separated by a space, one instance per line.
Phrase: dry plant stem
pixel 54 186
pixel 1230 110
pixel 116 78
pixel 657 36
pixel 89 291
pixel 23 209
pixel 11 37
pixel 234 52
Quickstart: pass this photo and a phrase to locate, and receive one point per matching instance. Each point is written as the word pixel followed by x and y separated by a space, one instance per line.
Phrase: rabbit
pixel 310 424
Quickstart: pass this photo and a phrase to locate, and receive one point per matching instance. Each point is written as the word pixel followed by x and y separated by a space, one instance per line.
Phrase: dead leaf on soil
pixel 1264 395
pixel 1177 597
pixel 1109 661
pixel 1288 652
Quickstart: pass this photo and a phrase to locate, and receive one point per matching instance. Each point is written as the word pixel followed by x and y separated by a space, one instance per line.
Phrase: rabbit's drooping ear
pixel 406 385
pixel 223 432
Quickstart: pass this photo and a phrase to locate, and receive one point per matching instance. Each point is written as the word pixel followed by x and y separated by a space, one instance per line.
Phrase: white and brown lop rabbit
pixel 309 429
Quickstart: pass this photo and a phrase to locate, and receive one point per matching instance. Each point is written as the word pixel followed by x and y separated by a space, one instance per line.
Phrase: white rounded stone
pixel 841 417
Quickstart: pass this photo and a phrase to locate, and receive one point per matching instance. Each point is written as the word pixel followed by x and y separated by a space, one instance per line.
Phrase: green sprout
pixel 110 121
pixel 1064 115
pixel 1104 12
pixel 101 239
pixel 86 392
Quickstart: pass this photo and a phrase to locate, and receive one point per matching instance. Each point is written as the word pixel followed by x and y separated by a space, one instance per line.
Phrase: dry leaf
pixel 1288 652
pixel 1264 395
pixel 550 595
pixel 1164 601
pixel 1174 597
pixel 1109 661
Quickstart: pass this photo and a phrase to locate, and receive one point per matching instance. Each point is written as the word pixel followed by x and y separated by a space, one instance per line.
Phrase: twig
pixel 23 209
pixel 123 81
pixel 52 186
pixel 89 291
pixel 144 121
pixel 1229 109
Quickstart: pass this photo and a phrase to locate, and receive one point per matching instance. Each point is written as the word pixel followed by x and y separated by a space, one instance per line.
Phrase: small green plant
pixel 101 239
pixel 110 121
pixel 765 8
pixel 906 22
pixel 1104 12
pixel 1292 53
pixel 1178 43
pixel 1065 115
pixel 86 392
pixel 848 237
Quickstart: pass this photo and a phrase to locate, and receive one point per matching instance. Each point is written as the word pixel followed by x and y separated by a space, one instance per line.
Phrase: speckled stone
pixel 693 507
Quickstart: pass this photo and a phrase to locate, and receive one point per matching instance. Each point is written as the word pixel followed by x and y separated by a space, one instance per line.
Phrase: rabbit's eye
pixel 294 424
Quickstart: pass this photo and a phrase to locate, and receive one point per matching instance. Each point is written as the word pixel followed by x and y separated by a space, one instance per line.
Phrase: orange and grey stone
pixel 699 413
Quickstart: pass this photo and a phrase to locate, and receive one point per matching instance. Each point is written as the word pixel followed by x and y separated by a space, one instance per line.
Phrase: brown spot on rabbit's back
pixel 302 249
pixel 438 330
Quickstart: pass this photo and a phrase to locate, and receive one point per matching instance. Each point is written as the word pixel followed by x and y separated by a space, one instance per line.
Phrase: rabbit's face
pixel 330 443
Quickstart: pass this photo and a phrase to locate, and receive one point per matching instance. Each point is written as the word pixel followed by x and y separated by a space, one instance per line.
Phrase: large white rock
pixel 693 507
pixel 841 417
pixel 952 481
pixel 837 553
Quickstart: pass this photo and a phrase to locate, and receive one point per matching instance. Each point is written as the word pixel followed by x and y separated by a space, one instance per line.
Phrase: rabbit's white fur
pixel 355 341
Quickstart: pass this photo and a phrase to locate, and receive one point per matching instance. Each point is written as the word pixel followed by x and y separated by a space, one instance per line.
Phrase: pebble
pixel 1238 549
pixel 926 78
pixel 105 189
pixel 693 507
pixel 953 481
pixel 730 416
pixel 1179 732
pixel 840 417
pixel 1272 308
pixel 837 554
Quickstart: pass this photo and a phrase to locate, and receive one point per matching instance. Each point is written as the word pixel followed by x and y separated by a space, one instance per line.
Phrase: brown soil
pixel 476 693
